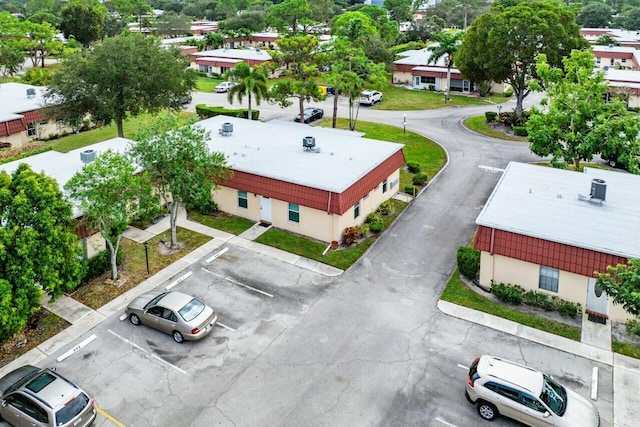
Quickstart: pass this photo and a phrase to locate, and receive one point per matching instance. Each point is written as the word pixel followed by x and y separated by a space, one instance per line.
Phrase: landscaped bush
pixel 508 93
pixel 363 229
pixel 376 227
pixel 468 262
pixel 512 119
pixel 205 208
pixel 373 217
pixel 420 179
pixel 490 116
pixel 633 326
pixel 513 294
pixel 413 167
pixel 385 208
pixel 570 309
pixel 206 111
pixel 411 189
pixel 100 264
pixel 351 236
pixel 520 130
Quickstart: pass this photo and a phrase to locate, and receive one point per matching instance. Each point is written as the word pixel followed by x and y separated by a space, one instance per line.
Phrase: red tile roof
pixel 314 197
pixel 544 252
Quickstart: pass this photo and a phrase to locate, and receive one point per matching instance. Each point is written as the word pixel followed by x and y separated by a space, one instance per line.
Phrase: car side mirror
pixel 546 414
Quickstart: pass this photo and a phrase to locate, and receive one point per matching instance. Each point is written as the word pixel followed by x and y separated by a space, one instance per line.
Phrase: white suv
pixel 370 97
pixel 500 387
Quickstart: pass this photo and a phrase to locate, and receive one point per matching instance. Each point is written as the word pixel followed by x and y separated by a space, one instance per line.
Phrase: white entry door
pixel 597 299
pixel 265 209
pixel 416 81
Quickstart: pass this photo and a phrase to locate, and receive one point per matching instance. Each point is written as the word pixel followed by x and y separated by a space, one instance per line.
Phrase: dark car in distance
pixel 310 114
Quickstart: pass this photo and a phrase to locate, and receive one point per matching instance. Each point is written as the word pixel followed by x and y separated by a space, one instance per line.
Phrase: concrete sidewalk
pixel 626 370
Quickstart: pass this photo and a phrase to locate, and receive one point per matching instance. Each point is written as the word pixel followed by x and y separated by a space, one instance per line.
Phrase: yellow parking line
pixel 108 416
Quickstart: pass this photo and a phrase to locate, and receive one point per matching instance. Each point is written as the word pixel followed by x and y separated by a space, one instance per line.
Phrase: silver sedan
pixel 175 313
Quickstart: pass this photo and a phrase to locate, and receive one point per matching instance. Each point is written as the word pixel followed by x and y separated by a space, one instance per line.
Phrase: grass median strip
pixel 458 292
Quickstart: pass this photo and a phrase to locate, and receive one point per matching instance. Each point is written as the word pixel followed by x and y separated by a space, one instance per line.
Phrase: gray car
pixel 175 313
pixel 38 397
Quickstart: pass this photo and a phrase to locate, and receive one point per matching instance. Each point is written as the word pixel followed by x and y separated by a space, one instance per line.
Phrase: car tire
pixel 486 410
pixel 177 337
pixel 134 319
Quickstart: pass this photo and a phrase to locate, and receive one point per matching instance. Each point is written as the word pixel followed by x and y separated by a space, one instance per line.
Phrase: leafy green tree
pixel 350 70
pixel 124 76
pixel 399 10
pixel 171 24
pixel 251 83
pixel 44 16
pixel 255 20
pixel 622 284
pixel 448 43
pixel 84 23
pixel 515 37
pixel 11 59
pixel 291 16
pixel 213 41
pixel 35 6
pixel 110 196
pixel 112 26
pixel 578 122
pixel 226 8
pixel 323 10
pixel 594 15
pixel 179 162
pixel 476 71
pixel 629 19
pixel 606 40
pixel 39 250
pixel 357 27
pixel 300 60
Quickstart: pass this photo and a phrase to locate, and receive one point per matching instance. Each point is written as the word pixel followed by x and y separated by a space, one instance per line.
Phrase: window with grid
pixel 384 186
pixel 242 199
pixel 549 279
pixel 31 129
pixel 294 212
pixel 356 210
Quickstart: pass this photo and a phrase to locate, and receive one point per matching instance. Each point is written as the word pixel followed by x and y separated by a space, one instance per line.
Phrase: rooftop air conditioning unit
pixel 308 142
pixel 598 189
pixel 88 156
pixel 227 127
pixel 31 93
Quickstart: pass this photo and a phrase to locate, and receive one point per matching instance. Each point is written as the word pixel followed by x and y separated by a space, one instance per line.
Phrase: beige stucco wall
pixel 402 77
pixel 16 139
pixel 314 223
pixel 571 286
pixel 634 101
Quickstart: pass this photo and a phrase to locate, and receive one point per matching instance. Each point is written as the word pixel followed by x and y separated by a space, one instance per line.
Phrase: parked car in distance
pixel 224 87
pixel 310 114
pixel 185 100
pixel 175 313
pixel 32 396
pixel 501 387
pixel 370 97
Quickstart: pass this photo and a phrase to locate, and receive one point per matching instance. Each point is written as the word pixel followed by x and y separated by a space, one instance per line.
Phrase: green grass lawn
pixel 130 127
pixel 479 124
pixel 459 293
pixel 399 98
pixel 313 249
pixel 205 84
pixel 222 221
pixel 417 148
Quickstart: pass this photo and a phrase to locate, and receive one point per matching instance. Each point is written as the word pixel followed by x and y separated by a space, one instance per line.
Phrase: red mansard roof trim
pixel 544 252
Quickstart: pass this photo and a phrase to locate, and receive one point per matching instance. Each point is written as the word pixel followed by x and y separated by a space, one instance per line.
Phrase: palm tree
pixel 250 83
pixel 447 45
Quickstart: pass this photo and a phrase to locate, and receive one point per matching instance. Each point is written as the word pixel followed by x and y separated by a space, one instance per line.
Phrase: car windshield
pixel 154 301
pixel 554 396
pixel 191 310
pixel 72 409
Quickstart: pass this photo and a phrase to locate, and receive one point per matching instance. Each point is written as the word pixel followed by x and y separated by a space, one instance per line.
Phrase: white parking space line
pixel 76 348
pixel 240 284
pixel 445 422
pixel 491 169
pixel 222 325
pixel 123 317
pixel 134 345
pixel 216 255
pixel 466 368
pixel 179 279
pixel 594 383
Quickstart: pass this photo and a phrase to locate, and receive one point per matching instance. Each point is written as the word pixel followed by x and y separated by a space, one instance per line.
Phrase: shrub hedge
pixel 206 111
pixel 468 262
pixel 516 294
